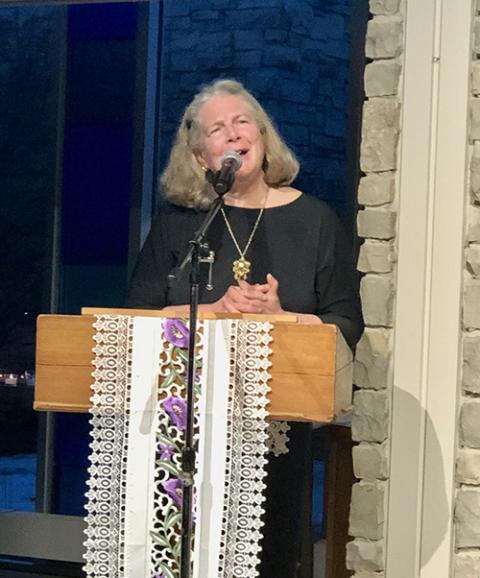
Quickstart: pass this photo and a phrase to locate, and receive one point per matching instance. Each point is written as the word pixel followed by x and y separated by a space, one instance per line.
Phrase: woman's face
pixel 227 124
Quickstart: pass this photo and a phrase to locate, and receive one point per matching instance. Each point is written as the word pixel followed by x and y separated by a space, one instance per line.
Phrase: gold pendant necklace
pixel 241 267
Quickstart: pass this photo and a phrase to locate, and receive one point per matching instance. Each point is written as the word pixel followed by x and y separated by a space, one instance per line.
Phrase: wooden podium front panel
pixel 311 368
pixel 63 374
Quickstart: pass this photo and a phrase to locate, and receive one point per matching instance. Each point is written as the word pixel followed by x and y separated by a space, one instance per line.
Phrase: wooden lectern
pixel 311 380
pixel 311 365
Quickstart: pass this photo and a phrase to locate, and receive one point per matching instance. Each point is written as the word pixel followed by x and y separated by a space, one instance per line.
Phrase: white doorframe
pixel 430 266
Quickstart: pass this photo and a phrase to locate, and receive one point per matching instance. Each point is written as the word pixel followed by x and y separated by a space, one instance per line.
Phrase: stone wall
pixel 294 56
pixel 377 260
pixel 467 504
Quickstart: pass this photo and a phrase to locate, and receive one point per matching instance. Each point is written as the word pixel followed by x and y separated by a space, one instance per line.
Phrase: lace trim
pixel 105 552
pixel 278 437
pixel 246 450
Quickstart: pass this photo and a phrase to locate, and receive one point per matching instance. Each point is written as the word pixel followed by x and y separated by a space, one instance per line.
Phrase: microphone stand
pixel 195 255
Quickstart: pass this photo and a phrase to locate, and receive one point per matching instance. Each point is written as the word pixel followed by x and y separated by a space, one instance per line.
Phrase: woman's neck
pixel 248 195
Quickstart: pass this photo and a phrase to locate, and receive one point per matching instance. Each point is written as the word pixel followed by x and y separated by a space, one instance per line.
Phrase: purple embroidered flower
pixel 176 332
pixel 165 451
pixel 174 489
pixel 176 410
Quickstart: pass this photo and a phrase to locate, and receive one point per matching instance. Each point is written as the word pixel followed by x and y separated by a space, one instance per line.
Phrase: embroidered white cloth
pixel 138 422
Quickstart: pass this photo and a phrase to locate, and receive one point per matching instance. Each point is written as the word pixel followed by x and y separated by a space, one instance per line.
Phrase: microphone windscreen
pixel 233 158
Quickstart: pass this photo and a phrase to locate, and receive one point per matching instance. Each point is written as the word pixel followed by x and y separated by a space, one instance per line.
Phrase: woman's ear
pixel 201 161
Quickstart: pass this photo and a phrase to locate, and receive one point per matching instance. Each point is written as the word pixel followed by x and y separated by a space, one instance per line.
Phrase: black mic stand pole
pixel 189 451
pixel 194 256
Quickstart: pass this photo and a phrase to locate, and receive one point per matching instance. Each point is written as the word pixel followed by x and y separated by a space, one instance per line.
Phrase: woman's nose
pixel 232 133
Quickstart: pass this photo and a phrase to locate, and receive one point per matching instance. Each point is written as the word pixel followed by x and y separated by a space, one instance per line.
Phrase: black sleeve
pixel 148 285
pixel 337 282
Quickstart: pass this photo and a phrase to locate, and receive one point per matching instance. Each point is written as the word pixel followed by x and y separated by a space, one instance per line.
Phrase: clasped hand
pixel 257 298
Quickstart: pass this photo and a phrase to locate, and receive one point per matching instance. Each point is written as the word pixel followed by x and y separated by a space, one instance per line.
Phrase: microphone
pixel 223 179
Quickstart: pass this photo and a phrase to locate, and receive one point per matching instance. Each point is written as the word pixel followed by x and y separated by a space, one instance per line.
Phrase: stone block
pixel 259 18
pixel 475 118
pixel 467 564
pixel 372 359
pixel 248 39
pixel 200 15
pixel 377 294
pixel 467 519
pixel 184 41
pixel 384 37
pixel 282 56
pixel 471 304
pixel 378 151
pixel 476 36
pixel 473 224
pixel 181 61
pixel 476 77
pixel 336 124
pixel 376 189
pixel 302 17
pixel 264 81
pixel 274 35
pixel 295 134
pixel 475 171
pixel 367 511
pixel 296 91
pixel 370 417
pixel 468 467
pixel 247 58
pixel 377 223
pixel 472 258
pixel 473 233
pixel 365 555
pixel 382 77
pixel 381 113
pixel 376 257
pixel 370 461
pixel 178 23
pixel 328 26
pixel 469 421
pixel 471 364
pixel 174 9
pixel 257 3
pixel 384 6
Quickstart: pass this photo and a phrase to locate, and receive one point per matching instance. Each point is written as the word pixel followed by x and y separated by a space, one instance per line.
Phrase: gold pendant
pixel 241 268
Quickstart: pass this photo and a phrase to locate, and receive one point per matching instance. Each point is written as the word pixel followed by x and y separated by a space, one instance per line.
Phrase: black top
pixel 301 243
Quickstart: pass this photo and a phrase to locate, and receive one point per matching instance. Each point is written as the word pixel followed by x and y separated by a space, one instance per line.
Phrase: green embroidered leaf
pixel 169 467
pixel 173 519
pixel 177 549
pixel 166 439
pixel 166 571
pixel 159 539
pixel 182 353
pixel 167 382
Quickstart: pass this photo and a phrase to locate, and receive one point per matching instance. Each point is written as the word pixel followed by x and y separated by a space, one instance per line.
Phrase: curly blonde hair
pixel 184 182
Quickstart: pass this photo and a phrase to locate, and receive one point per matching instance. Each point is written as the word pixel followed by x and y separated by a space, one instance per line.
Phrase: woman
pixel 276 250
